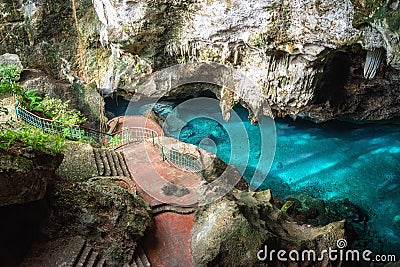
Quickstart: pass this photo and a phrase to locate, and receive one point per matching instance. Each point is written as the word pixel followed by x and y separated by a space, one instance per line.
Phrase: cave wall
pixel 293 50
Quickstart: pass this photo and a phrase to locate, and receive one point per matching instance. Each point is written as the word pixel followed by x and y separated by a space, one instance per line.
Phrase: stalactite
pixel 236 56
pixel 372 62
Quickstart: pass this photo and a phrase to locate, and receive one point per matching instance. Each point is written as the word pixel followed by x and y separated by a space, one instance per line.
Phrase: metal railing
pixel 187 162
pixel 70 131
pixel 184 161
pixel 132 135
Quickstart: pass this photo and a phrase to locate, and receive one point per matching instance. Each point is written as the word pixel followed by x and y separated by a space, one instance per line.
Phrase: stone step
pixel 104 158
pixel 139 262
pixel 170 208
pixel 123 164
pixel 111 163
pixel 143 258
pixel 57 252
pixel 99 161
pixel 101 262
pixel 84 257
pixel 117 163
pixel 67 252
pixel 94 258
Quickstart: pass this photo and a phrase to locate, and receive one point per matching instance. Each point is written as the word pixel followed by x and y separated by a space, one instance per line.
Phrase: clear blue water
pixel 331 161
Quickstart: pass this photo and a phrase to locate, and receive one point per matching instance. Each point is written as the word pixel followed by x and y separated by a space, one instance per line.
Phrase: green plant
pixel 8 77
pixel 363 9
pixel 392 16
pixel 116 140
pixel 73 133
pixel 288 204
pixel 54 109
pixel 30 100
pixel 51 108
pixel 32 137
pixel 139 68
pixel 57 110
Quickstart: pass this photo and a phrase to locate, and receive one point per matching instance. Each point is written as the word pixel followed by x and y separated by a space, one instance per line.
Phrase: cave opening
pixel 330 88
pixel 117 105
pixel 20 227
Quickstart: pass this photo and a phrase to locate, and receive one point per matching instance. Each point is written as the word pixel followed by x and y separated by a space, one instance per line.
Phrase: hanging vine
pixel 79 54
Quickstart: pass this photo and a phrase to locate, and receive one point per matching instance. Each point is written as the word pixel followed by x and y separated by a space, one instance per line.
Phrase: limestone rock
pixel 286 47
pixel 24 174
pixel 103 210
pixel 231 232
pixel 11 60
pixel 304 56
pixel 107 215
pixel 78 164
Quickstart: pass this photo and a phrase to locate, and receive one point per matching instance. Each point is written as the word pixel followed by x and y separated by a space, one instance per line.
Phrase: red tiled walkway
pixel 137 121
pixel 150 174
pixel 169 244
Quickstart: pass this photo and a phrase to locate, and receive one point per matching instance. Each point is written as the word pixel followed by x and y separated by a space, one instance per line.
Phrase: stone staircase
pixel 110 163
pixel 164 207
pixel 89 258
pixel 66 252
pixel 140 259
pixel 74 252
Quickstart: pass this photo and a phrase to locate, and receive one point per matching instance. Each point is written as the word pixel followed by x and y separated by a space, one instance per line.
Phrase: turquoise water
pixel 331 161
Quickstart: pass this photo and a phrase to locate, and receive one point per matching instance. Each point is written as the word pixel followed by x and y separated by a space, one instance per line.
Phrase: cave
pixel 329 70
pixel 20 227
pixel 334 77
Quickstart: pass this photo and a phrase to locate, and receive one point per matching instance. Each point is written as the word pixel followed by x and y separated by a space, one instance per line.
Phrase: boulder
pixel 111 218
pixel 78 164
pixel 11 60
pixel 25 173
pixel 233 230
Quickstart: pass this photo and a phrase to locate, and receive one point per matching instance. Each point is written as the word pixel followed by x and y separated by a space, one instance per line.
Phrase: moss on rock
pixel 363 9
pixel 24 174
pixel 231 231
pixel 78 164
pixel 111 218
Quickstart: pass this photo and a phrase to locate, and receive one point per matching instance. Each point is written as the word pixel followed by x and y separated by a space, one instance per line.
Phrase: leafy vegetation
pixel 363 9
pixel 56 109
pixel 30 99
pixel 50 108
pixel 33 138
pixel 367 10
pixel 8 77
pixel 116 140
pixel 392 16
